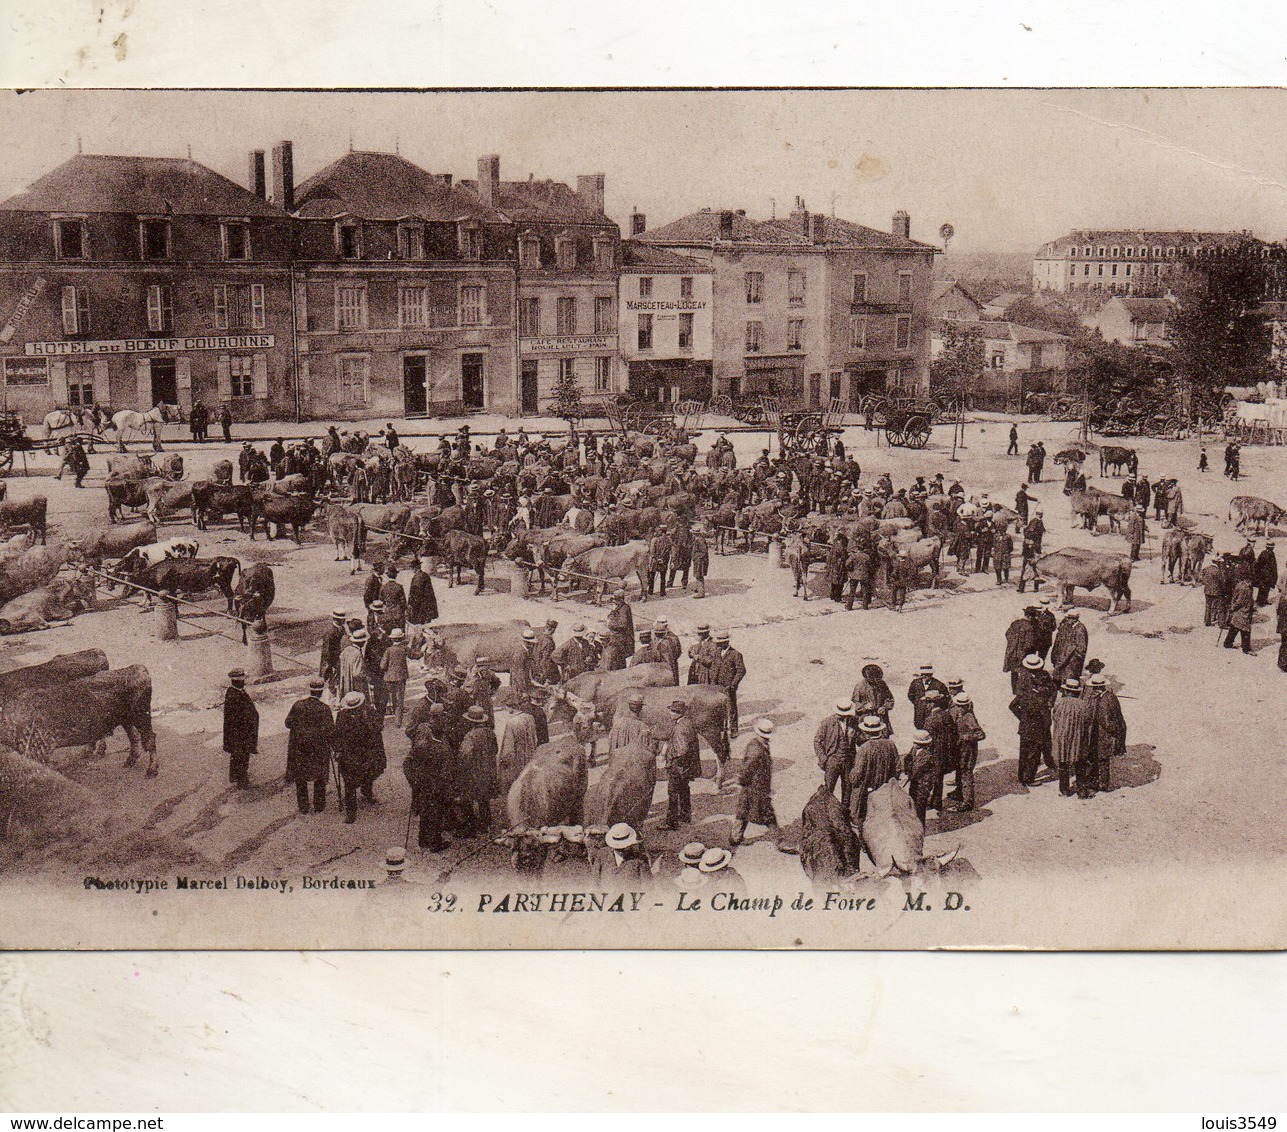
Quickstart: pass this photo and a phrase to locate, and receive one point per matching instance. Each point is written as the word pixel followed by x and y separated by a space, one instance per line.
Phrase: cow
pixel 215 500
pixel 128 466
pixel 34 567
pixel 254 594
pixel 56 601
pixel 458 549
pixel 297 483
pixel 921 553
pixel 829 847
pixel 800 556
pixel 164 497
pixel 1112 459
pixel 707 709
pixel 347 531
pixel 1074 568
pixel 168 466
pixel 139 558
pixel 1172 553
pixel 1194 550
pixel 221 473
pixel 292 511
pixel 84 715
pixel 124 492
pixel 602 564
pixel 555 553
pixel 191 576
pixel 1260 513
pixel 95 546
pixel 59 670
pixel 383 517
pixel 624 792
pixel 593 691
pixel 550 790
pixel 459 644
pixel 30 513
pixel 759 519
pixel 1092 503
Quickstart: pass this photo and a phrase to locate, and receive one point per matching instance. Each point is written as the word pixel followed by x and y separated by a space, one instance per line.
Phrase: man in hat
pixel 942 729
pixel 1242 609
pixel 648 652
pixel 395 862
pixel 518 740
pixel 573 655
pixel 477 770
pixel 621 863
pixel 394 673
pixel 924 772
pixel 544 666
pixel 332 645
pixel 923 682
pixel 728 670
pixel 359 752
pixel 351 676
pixel 522 666
pixel 1134 529
pixel 1110 730
pixel 311 730
pixel 1020 640
pixel 621 630
pixel 481 684
pixel 422 603
pixel 373 651
pixel 755 800
pixel 1013 447
pixel 683 764
pixel 875 763
pixel 1031 706
pixel 699 557
pixel 1068 653
pixel 240 728
pixel 628 727
pixel 1265 573
pixel 1072 730
pixel 1044 625
pixel 871 695
pixel 394 598
pixel 1002 553
pixel 716 867
pixel 838 567
pixel 833 745
pixel 668 644
pixel 968 736
pixel 371 591
pixel 702 655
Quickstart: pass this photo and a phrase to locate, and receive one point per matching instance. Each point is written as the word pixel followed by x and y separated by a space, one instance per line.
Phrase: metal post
pixel 167 619
pixel 259 657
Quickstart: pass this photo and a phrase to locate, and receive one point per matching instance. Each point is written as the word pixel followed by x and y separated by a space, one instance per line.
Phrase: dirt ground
pixel 1201 782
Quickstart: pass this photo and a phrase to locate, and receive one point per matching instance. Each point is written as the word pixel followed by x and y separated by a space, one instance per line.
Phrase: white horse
pixel 73 418
pixel 146 424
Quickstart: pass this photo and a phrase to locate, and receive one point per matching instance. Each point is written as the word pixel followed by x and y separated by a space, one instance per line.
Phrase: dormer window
pixel 411 241
pixel 603 257
pixel 471 242
pixel 235 235
pixel 348 240
pixel 529 251
pixel 565 253
pixel 154 239
pixel 71 238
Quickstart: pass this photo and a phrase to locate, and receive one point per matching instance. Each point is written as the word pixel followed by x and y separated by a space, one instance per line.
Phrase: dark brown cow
pixel 30 513
pixel 215 500
pixel 624 793
pixel 87 712
pixel 458 549
pixel 59 670
pixel 191 577
pixel 124 492
pixel 254 594
pixel 550 790
pixel 292 511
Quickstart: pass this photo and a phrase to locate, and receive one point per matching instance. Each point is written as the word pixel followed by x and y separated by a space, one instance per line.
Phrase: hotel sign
pixel 153 345
pixel 568 344
pixel 665 304
pixel 29 296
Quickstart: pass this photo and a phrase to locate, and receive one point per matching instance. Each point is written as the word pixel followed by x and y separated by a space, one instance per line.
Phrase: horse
pixel 147 424
pixel 73 418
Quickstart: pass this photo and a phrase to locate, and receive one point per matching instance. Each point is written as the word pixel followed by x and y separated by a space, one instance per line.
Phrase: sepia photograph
pixel 679 519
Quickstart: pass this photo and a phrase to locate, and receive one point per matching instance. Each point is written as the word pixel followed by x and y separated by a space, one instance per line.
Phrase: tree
pixel 956 370
pixel 567 397
pixel 1219 333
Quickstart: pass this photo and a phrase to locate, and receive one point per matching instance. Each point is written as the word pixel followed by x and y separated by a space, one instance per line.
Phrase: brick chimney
pixel 258 175
pixel 817 228
pixel 489 179
pixel 902 225
pixel 589 187
pixel 638 223
pixel 726 225
pixel 284 176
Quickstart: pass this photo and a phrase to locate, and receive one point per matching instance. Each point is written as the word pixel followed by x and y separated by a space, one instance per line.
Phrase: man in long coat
pixel 359 751
pixel 925 681
pixel 573 655
pixel 477 766
pixel 683 764
pixel 1266 573
pixel 1068 653
pixel 755 801
pixel 332 645
pixel 1072 732
pixel 1110 730
pixel 702 654
pixel 543 664
pixel 1242 607
pixel 1031 706
pixel 1020 639
pixel 430 771
pixel 352 673
pixel 628 727
pixel 833 745
pixel 942 729
pixel 518 742
pixel 240 728
pixel 871 696
pixel 621 629
pixel 876 761
pixel 728 671
pixel 308 750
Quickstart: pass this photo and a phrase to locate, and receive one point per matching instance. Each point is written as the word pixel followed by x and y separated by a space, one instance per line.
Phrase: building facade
pixel 1119 262
pixel 949 299
pixel 1134 322
pixel 811 308
pixel 666 327
pixel 128 281
pixel 405 294
pixel 568 255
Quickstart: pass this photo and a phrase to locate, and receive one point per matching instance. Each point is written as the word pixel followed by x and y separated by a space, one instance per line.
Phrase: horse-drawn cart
pixel 909 422
pixel 14 438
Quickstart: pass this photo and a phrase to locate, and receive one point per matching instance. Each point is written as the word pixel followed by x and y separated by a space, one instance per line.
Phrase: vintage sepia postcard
pixel 642 519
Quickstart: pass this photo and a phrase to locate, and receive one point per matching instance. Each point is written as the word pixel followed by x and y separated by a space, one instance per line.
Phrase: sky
pixel 1009 169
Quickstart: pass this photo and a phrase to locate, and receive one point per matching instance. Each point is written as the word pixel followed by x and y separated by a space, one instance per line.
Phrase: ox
pixel 707 709
pixel 215 500
pixel 458 549
pixel 458 645
pixel 282 511
pixel 1074 568
pixel 57 601
pixel 603 564
pixel 34 567
pixel 550 790
pixel 95 546
pixel 84 715
pixel 1112 459
pixel 191 577
pixel 30 513
pixel 829 848
pixel 1260 513
pixel 347 531
pixel 124 493
pixel 165 497
pixel 624 792
pixel 59 670
pixel 254 595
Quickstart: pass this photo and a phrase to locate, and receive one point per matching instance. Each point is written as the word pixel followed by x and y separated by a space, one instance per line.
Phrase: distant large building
pixel 1122 262
pixel 810 307
pixel 129 281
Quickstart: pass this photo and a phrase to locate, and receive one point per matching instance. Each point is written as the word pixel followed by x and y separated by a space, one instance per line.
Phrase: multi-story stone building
pixel 812 308
pixel 667 322
pixel 568 256
pixel 1121 262
pixel 129 281
pixel 405 290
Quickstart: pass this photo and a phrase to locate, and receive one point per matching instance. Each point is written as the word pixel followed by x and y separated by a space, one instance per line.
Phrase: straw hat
pixel 621 836
pixel 1032 661
pixel 395 859
pixel 476 715
pixel 691 854
pixel 922 738
pixel 764 726
pixel 871 724
pixel 352 700
pixel 715 859
pixel 692 877
pixel 844 707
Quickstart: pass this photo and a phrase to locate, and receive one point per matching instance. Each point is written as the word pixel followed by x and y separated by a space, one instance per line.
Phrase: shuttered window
pixel 471 305
pixel 75 310
pixel 160 309
pixel 239 306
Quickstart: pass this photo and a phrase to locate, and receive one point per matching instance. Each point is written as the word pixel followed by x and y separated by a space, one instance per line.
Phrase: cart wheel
pixel 893 436
pixel 918 432
pixel 722 405
pixel 6 461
